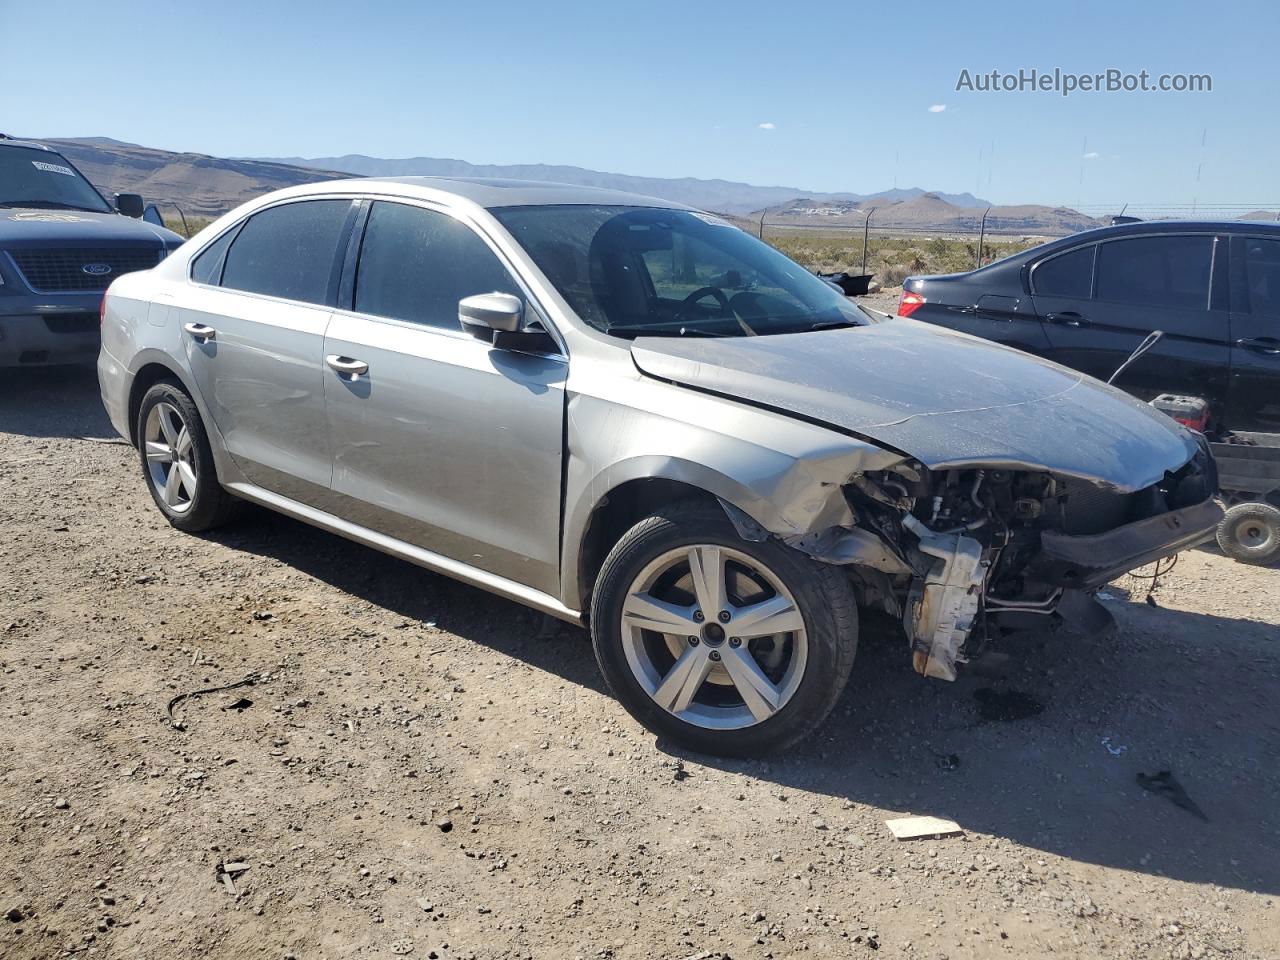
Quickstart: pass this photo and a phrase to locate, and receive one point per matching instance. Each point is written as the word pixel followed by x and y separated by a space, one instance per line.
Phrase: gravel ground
pixel 423 770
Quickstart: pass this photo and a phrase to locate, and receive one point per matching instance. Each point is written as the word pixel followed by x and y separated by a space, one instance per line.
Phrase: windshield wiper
pixel 633 332
pixel 835 324
pixel 46 205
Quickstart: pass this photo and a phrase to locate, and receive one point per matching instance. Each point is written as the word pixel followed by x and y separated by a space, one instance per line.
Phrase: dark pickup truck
pixel 1088 300
pixel 61 245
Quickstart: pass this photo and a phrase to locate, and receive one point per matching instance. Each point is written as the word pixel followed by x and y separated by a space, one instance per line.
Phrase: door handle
pixel 1068 319
pixel 200 331
pixel 1268 345
pixel 346 365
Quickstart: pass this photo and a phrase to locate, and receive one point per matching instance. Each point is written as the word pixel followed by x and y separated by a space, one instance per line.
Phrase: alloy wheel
pixel 714 637
pixel 170 455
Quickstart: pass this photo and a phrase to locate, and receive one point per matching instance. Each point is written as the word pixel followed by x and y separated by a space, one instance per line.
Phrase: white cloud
pixel 1092 155
pixel 937 108
pixel 768 125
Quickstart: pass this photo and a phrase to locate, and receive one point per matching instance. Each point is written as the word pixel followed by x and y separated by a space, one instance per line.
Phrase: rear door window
pixel 416 264
pixel 1167 271
pixel 288 251
pixel 1065 275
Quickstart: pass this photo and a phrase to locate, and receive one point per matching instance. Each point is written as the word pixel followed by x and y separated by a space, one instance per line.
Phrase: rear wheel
pixel 177 461
pixel 1250 533
pixel 726 646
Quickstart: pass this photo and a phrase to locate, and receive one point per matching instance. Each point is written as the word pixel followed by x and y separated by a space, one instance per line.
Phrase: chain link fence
pixel 873 242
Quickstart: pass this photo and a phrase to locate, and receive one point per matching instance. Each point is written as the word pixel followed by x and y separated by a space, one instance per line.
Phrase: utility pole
pixel 982 235
pixel 866 235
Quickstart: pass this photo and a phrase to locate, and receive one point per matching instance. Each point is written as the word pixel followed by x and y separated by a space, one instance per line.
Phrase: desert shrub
pixel 890 257
pixel 892 275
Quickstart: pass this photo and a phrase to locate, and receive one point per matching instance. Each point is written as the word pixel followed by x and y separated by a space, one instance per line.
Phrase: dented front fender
pixel 786 475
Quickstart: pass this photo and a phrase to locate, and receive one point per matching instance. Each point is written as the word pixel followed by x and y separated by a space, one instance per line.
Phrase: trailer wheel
pixel 1250 533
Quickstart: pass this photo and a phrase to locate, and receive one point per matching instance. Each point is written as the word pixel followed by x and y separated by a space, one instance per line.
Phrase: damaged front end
pixel 961 551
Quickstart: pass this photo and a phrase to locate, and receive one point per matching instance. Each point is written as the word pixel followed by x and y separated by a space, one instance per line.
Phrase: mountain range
pixel 724 196
pixel 205 186
pixel 199 185
pixel 928 212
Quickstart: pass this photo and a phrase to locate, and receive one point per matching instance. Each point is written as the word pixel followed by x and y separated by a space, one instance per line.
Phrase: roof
pixel 1171 226
pixel 1140 228
pixel 7 141
pixel 491 193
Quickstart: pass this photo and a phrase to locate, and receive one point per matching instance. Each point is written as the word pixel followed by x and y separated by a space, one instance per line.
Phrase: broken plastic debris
pixel 912 828
pixel 1116 749
pixel 224 871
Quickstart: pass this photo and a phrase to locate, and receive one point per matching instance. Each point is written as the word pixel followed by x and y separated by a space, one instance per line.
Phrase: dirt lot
pixel 422 771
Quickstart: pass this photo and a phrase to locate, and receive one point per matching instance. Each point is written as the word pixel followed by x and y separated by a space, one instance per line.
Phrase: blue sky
pixel 676 89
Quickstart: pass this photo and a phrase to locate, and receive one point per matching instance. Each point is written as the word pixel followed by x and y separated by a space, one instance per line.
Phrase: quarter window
pixel 416 264
pixel 1066 275
pixel 207 265
pixel 1171 272
pixel 288 251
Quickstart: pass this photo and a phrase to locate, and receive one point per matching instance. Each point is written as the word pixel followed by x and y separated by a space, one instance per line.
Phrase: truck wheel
pixel 1250 533
pixel 726 646
pixel 177 462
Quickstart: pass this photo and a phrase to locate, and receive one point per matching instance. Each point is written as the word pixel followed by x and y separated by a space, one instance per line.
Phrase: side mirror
pixel 152 215
pixel 130 204
pixel 495 318
pixel 486 313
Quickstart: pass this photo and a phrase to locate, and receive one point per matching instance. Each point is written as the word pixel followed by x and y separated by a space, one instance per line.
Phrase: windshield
pixel 632 271
pixel 44 180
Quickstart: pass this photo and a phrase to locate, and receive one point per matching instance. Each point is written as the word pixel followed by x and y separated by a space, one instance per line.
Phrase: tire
pixel 168 419
pixel 700 667
pixel 1250 533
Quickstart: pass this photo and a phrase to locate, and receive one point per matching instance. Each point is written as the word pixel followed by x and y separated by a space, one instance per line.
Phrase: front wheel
pixel 726 646
pixel 1250 533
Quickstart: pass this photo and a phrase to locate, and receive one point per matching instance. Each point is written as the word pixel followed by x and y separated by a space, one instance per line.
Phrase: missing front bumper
pixel 1085 562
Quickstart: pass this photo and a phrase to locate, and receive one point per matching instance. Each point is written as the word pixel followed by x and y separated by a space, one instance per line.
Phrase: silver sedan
pixel 636 416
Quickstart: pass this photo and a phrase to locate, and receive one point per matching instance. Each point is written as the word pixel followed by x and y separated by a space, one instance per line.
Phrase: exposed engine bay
pixel 958 552
pixel 965 513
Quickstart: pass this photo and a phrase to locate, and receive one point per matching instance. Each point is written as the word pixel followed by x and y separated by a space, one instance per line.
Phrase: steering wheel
pixel 701 294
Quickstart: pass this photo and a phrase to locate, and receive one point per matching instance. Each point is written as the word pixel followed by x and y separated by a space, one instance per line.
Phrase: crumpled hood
pixel 41 228
pixel 945 398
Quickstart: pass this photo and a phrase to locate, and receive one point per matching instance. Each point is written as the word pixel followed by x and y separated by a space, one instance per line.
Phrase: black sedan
pixel 1086 301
